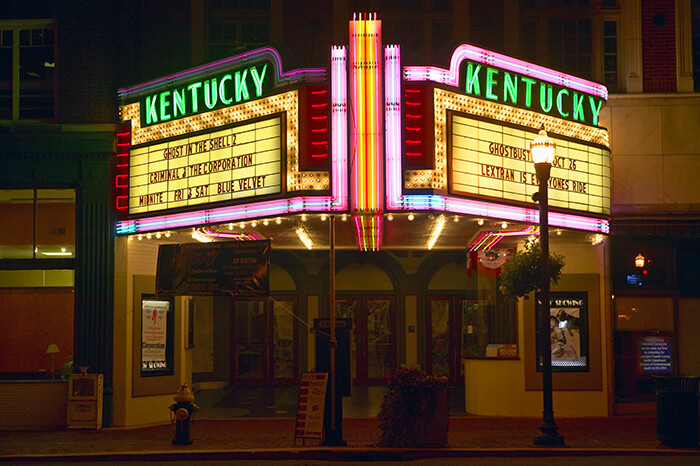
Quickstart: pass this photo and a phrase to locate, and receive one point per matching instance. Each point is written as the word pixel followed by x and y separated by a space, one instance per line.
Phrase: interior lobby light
pixel 304 237
pixel 438 226
pixel 196 234
pixel 639 261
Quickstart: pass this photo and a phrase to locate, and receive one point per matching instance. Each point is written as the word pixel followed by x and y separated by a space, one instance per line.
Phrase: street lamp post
pixel 542 151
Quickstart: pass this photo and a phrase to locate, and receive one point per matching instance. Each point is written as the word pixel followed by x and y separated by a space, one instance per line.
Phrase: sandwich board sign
pixel 310 409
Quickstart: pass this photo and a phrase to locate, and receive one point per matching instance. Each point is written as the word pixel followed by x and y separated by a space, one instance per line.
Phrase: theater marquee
pixel 493 160
pixel 238 162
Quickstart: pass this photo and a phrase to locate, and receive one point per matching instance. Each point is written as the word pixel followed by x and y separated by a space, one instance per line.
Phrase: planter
pixel 415 411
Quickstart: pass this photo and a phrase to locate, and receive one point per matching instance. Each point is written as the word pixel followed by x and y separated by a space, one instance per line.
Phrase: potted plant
pixel 415 410
pixel 521 274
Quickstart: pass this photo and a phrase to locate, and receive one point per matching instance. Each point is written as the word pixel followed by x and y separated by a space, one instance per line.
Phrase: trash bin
pixel 677 410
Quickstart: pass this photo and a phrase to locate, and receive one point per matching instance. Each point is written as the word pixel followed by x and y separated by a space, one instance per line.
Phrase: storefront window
pixel 36 307
pixel 644 344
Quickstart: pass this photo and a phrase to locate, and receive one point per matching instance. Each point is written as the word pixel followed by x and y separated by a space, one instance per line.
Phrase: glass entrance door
pixel 373 351
pixel 448 337
pixel 263 341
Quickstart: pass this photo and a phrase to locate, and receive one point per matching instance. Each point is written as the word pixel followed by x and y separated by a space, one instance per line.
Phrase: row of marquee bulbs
pixel 595 239
pixel 304 217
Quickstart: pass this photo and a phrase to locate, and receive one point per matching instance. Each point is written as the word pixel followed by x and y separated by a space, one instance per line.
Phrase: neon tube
pixel 339 122
pixel 487 57
pixel 307 75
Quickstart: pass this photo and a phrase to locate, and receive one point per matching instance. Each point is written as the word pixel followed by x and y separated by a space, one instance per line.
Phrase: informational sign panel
pixel 568 324
pixel 493 160
pixel 239 268
pixel 655 355
pixel 156 336
pixel 311 406
pixel 239 162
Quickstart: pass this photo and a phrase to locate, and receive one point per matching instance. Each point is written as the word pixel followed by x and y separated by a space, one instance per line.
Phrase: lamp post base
pixel 549 437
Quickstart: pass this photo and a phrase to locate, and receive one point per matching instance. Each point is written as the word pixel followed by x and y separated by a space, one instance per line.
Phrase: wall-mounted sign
pixel 227 88
pixel 238 268
pixel 238 162
pixel 568 323
pixel 654 355
pixel 493 160
pixel 510 88
pixel 156 336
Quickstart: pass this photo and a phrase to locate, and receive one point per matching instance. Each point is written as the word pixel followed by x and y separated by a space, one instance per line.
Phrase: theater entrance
pixel 373 346
pixel 264 340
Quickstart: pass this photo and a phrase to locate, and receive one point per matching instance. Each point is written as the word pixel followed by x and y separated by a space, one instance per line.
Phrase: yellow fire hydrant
pixel 182 413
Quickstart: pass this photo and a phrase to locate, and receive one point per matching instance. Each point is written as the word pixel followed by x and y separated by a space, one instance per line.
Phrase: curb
pixel 345 454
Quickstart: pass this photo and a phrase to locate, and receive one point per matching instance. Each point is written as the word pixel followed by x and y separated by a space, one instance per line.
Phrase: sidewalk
pixel 274 439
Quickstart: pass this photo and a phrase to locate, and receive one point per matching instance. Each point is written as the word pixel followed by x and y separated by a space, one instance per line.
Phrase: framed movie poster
pixel 568 325
pixel 157 324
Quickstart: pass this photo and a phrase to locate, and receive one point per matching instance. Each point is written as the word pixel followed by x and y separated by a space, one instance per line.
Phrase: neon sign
pixel 510 88
pixel 227 88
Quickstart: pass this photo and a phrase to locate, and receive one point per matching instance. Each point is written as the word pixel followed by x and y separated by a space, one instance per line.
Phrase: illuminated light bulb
pixel 140 237
pixel 131 238
pixel 230 226
pixel 278 220
pixel 266 222
pixel 480 221
pixel 455 219
pixel 304 217
pixel 411 217
pixel 167 234
pixel 158 235
pixel 504 225
pixel 390 217
pixel 253 224
pixel 148 236
pixel 344 217
pixel 323 217
pixel 558 232
pixel 242 225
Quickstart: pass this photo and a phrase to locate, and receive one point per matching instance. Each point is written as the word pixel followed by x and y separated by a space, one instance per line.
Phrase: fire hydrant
pixel 182 413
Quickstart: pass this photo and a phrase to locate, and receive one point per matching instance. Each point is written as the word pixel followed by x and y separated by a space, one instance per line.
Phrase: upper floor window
pixel 574 36
pixel 37 223
pixel 236 26
pixel 27 64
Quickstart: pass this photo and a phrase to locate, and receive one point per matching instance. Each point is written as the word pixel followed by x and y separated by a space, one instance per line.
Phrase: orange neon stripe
pixel 370 90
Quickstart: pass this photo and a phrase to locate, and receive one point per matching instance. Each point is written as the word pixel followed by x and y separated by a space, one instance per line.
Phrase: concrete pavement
pixel 273 438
